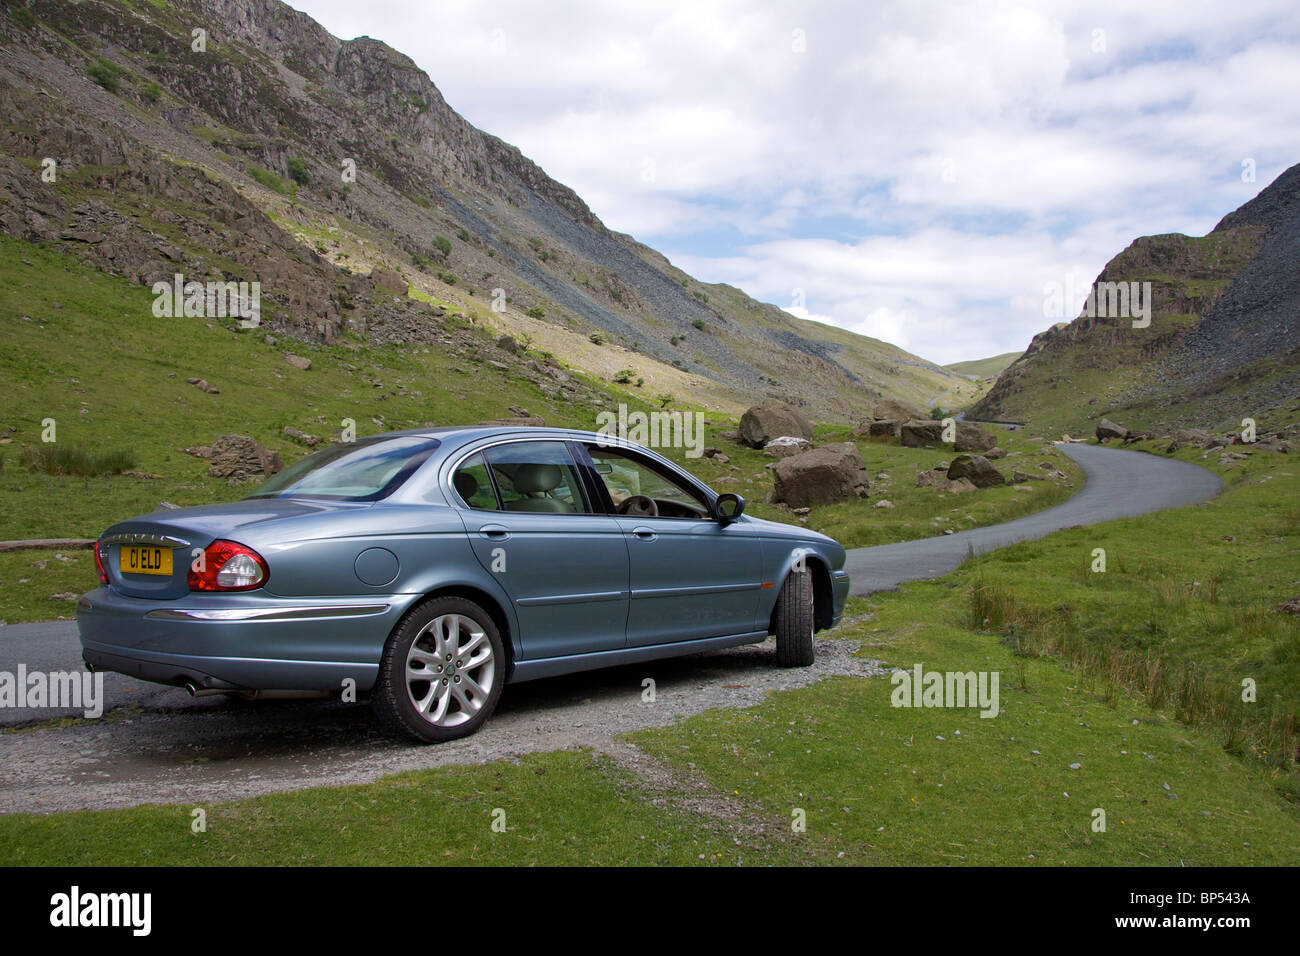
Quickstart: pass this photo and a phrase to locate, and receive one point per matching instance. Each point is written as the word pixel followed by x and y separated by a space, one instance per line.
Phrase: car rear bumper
pixel 239 642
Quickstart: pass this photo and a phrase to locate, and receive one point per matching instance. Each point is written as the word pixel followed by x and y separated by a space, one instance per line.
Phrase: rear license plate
pixel 141 559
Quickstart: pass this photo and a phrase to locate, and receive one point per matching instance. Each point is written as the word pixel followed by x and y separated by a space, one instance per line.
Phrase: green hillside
pixel 984 368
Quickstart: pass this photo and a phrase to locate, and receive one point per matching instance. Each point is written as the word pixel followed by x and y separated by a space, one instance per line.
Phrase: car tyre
pixel 793 620
pixel 441 673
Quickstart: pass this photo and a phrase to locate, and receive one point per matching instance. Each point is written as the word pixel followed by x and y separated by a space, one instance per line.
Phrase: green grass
pixel 904 786
pixel 561 809
pixel 105 73
pixel 1185 611
pixel 1191 593
pixel 285 187
pixel 30 581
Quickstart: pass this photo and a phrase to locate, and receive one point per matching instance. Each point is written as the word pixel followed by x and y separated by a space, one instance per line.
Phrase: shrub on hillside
pixel 56 459
pixel 106 73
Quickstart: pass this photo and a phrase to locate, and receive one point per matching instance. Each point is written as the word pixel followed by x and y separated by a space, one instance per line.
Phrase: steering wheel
pixel 638 506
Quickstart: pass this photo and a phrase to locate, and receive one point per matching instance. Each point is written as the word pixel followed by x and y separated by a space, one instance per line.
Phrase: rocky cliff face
pixel 233 161
pixel 1223 317
pixel 1258 318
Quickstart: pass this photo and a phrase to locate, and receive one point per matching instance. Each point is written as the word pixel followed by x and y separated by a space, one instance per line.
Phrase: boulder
pixel 978 469
pixel 827 474
pixel 898 411
pixel 994 453
pixel 388 280
pixel 918 433
pixel 972 438
pixel 240 458
pixel 882 428
pixel 1106 430
pixel 297 361
pixel 301 437
pixel 787 445
pixel 935 476
pixel 762 423
pixel 1019 477
pixel 508 343
pixel 959 486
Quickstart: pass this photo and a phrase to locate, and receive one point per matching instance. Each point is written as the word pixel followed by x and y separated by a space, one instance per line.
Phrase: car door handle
pixel 644 534
pixel 494 531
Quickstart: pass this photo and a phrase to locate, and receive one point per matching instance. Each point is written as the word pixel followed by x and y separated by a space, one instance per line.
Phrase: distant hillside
pixel 984 368
pixel 281 154
pixel 1223 341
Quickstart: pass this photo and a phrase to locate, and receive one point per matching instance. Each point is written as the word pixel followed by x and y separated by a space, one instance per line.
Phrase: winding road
pixel 160 745
pixel 1118 484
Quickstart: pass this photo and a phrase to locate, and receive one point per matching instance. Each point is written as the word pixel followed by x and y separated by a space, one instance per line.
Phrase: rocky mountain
pixel 1223 342
pixel 239 140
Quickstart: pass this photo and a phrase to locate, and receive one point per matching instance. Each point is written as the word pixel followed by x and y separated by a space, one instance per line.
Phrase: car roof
pixel 454 436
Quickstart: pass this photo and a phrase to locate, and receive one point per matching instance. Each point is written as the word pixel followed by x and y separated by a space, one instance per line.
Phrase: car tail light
pixel 99 566
pixel 227 566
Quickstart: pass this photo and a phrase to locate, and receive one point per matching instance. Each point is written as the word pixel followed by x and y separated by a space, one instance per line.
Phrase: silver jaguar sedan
pixel 431 568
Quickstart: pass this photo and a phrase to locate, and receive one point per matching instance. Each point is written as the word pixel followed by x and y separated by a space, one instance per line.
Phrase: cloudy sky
pixel 918 172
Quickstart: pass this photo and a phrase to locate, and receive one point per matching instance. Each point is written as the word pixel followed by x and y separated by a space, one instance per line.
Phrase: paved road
pixel 1120 484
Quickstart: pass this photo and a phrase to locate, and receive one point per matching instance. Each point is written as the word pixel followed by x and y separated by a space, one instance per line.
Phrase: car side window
pixel 627 478
pixel 536 476
pixel 474 486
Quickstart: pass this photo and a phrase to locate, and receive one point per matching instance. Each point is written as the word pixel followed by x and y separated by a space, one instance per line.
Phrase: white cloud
pixel 918 169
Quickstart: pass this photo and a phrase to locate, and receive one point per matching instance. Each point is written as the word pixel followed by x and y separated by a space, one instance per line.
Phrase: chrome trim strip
pixel 692 591
pixel 592 598
pixel 141 537
pixel 265 613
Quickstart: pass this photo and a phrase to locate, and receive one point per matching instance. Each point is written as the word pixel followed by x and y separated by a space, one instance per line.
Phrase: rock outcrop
pixel 762 423
pixel 824 475
pixel 977 469
pixel 240 458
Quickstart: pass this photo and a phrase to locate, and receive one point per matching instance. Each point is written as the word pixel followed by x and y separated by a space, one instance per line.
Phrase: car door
pixel 691 577
pixel 531 524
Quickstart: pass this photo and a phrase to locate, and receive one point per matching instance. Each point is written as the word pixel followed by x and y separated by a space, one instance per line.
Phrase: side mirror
pixel 728 508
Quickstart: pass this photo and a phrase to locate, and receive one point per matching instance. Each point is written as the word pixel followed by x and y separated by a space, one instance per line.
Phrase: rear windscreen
pixel 359 471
